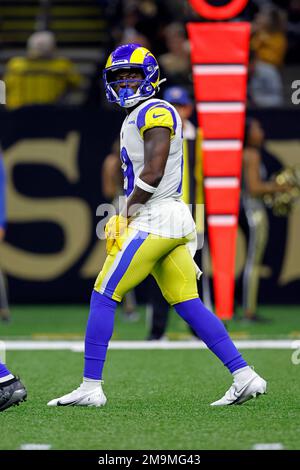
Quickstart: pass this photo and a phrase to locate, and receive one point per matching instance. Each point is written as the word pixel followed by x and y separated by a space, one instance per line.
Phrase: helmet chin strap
pixel 161 81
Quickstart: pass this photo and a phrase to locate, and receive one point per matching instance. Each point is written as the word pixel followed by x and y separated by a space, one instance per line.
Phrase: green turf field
pixel 68 322
pixel 156 400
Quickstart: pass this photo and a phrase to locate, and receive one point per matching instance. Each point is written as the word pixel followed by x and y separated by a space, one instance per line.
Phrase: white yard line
pixel 78 346
pixel 35 446
pixel 268 446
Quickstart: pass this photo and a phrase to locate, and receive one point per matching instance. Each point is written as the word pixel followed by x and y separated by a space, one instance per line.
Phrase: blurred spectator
pixel 146 17
pixel 265 88
pixel 293 55
pixel 176 63
pixel 178 96
pixel 294 16
pixel 41 77
pixel 132 36
pixel 269 40
pixel 256 184
pixel 4 310
pixel 180 11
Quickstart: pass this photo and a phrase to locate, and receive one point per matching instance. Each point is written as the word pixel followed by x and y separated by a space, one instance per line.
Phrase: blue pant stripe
pixel 124 262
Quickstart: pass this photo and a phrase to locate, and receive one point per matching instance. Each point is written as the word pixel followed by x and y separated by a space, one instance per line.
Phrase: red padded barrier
pixel 222 162
pixel 221 43
pixel 223 268
pixel 223 12
pixel 222 200
pixel 222 125
pixel 219 54
pixel 211 87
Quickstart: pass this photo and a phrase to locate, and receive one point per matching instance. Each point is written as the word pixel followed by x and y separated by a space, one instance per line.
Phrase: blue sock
pixel 212 331
pixel 98 333
pixel 3 371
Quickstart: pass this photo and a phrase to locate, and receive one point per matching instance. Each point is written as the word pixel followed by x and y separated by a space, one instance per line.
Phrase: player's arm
pixel 156 152
pixel 157 126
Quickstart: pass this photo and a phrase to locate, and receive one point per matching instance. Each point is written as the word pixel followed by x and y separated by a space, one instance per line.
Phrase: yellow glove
pixel 115 232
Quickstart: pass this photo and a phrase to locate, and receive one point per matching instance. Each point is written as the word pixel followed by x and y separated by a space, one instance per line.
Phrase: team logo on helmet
pixel 131 57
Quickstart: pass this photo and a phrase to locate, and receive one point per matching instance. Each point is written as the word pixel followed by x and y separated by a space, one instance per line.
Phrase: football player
pixel 153 233
pixel 12 391
pixel 4 309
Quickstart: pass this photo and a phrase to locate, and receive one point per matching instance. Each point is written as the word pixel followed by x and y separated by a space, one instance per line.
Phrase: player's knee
pixel 180 293
pixel 180 299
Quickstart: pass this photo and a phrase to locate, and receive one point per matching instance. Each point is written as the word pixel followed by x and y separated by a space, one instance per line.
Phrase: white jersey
pixel 164 214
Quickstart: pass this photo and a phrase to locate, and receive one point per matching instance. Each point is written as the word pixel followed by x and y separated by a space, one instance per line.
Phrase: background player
pixel 12 391
pixel 4 310
pixel 154 232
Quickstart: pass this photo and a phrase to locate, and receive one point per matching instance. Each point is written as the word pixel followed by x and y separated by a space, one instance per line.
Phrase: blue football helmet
pixel 132 57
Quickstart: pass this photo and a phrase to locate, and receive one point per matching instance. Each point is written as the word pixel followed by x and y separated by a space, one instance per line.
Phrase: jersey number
pixel 127 172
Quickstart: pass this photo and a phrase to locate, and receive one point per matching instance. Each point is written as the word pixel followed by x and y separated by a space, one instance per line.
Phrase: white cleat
pixel 238 394
pixel 81 397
